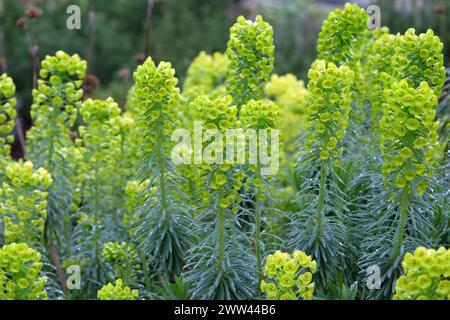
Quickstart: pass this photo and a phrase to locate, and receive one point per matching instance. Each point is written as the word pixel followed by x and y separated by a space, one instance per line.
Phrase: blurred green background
pixel 179 30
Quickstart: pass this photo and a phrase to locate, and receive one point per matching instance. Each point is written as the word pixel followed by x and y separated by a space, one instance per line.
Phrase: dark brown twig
pixel 59 272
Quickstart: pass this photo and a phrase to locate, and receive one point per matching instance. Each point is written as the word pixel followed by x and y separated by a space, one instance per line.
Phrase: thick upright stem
pixel 403 218
pixel 163 185
pixel 257 236
pixel 97 219
pixel 220 230
pixel 145 269
pixel 320 205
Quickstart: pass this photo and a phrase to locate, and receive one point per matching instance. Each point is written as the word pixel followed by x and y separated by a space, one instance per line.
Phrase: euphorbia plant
pixel 289 277
pixel 122 259
pixel 341 41
pixel 216 267
pixel 263 117
pixel 409 145
pixel 411 153
pixel 20 268
pixel 23 206
pixel 250 51
pixel 162 232
pixel 318 228
pixel 426 275
pixel 100 148
pixel 54 110
pixel 289 93
pixel 7 116
pixel 117 291
pixel 206 76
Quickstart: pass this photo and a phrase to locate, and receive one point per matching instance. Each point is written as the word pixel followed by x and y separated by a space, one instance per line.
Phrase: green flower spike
pixel 7 116
pixel 288 277
pixel 251 54
pixel 20 267
pixel 426 275
pixel 24 203
pixel 117 291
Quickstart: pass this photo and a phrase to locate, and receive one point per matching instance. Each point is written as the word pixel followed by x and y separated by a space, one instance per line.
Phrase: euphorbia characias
pixel 426 275
pixel 419 58
pixel 129 215
pixel 378 73
pixel 260 116
pixel 164 234
pixel 54 110
pixel 343 34
pixel 327 108
pixel 23 205
pixel 288 277
pixel 117 291
pixel 7 116
pixel 55 105
pixel 409 137
pixel 250 51
pixel 318 230
pixel 123 260
pixel 409 145
pixel 224 181
pixel 410 148
pixel 99 145
pixel 206 76
pixel 289 94
pixel 20 268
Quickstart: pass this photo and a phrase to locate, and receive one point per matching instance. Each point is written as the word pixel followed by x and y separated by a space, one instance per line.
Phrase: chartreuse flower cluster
pixel 409 134
pixel 20 267
pixel 289 94
pixel 260 115
pixel 341 41
pixel 419 58
pixel 155 100
pixel 426 275
pixel 100 135
pixel 117 291
pixel 156 107
pixel 55 102
pixel 251 54
pixel 343 34
pixel 100 147
pixel 218 114
pixel 24 201
pixel 123 259
pixel 415 58
pixel 328 107
pixel 289 277
pixel 379 72
pixel 7 116
pixel 206 76
pixel 133 190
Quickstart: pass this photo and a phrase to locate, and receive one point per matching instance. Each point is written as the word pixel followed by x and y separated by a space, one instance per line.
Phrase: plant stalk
pixel 320 205
pixel 403 218
pixel 258 211
pixel 220 230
